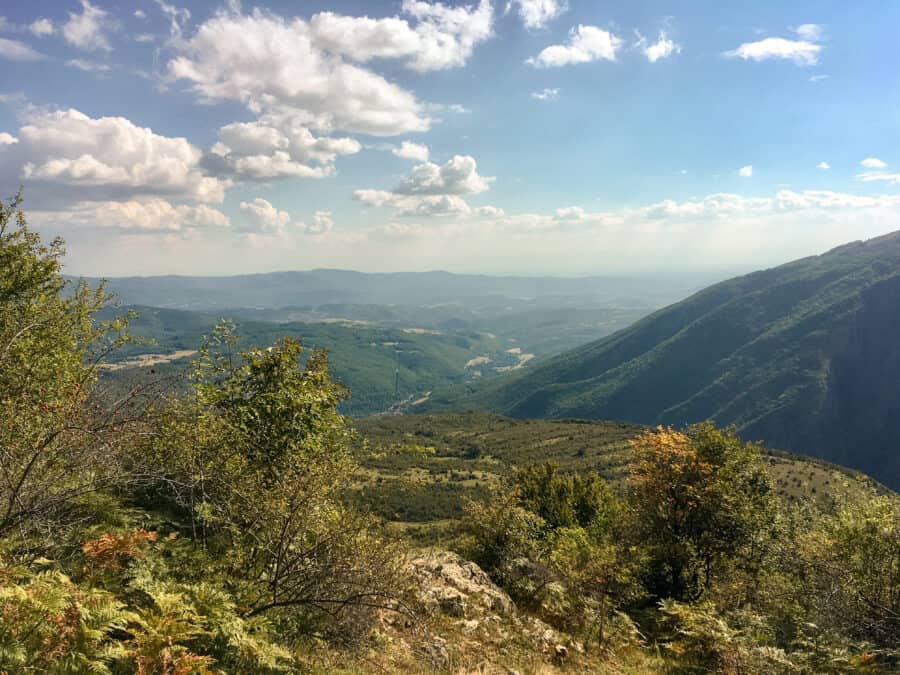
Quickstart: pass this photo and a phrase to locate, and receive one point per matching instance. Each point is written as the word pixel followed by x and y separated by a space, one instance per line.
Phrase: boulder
pixel 452 585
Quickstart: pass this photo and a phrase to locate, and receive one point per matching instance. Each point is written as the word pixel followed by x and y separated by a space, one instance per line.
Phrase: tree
pixel 57 442
pixel 564 500
pixel 851 567
pixel 554 543
pixel 597 571
pixel 701 500
pixel 258 457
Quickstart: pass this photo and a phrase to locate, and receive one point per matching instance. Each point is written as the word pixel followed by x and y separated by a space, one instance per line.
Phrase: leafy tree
pixel 504 536
pixel 553 542
pixel 564 500
pixel 258 458
pixel 702 502
pixel 851 567
pixel 57 443
pixel 597 571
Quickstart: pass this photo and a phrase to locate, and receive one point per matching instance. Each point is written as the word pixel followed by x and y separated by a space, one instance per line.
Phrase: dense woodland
pixel 221 527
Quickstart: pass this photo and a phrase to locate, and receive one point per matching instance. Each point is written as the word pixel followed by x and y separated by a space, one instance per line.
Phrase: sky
pixel 562 137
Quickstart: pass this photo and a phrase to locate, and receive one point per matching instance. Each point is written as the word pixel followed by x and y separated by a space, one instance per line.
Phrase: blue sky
pixel 536 136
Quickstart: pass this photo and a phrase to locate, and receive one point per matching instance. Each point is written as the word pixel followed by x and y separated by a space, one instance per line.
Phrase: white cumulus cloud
pixel 147 214
pixel 490 212
pixel 322 223
pixel 545 95
pixel 812 32
pixel 276 146
pixel 414 151
pixel 585 44
pixel 803 52
pixel 570 213
pixel 873 163
pixel 442 37
pixel 41 28
pixel 746 171
pixel 537 13
pixel 263 218
pixel 663 48
pixel 432 189
pixel 823 165
pixel 458 176
pixel 275 65
pixel 415 205
pixel 106 158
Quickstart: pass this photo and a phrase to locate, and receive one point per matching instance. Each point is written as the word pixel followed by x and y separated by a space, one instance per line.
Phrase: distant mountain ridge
pixel 327 286
pixel 805 357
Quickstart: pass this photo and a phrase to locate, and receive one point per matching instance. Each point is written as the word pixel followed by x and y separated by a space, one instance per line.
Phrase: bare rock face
pixel 457 587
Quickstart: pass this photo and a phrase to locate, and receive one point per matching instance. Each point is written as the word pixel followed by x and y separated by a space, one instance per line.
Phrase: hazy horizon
pixel 700 275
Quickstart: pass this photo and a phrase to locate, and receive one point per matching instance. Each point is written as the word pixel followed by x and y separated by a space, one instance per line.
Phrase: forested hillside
pixel 802 356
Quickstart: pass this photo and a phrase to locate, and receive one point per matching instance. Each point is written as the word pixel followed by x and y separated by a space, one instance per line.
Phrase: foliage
pixel 551 542
pixel 703 502
pixel 244 476
pixel 52 427
pixel 50 624
pixel 701 640
pixel 474 453
pixel 257 459
pixel 852 560
pixel 565 501
pixel 503 536
pixel 125 612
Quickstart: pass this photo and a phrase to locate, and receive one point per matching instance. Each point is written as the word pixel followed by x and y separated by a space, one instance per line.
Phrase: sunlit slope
pixel 805 356
pixel 472 453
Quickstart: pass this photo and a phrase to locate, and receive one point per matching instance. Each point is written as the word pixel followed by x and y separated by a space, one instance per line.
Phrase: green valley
pixel 387 356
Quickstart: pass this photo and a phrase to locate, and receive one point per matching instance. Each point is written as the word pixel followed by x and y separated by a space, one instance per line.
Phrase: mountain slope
pixel 804 356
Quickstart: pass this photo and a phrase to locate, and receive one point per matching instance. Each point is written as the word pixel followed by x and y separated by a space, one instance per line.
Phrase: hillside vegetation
pixel 802 356
pixel 222 527
pixel 471 455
